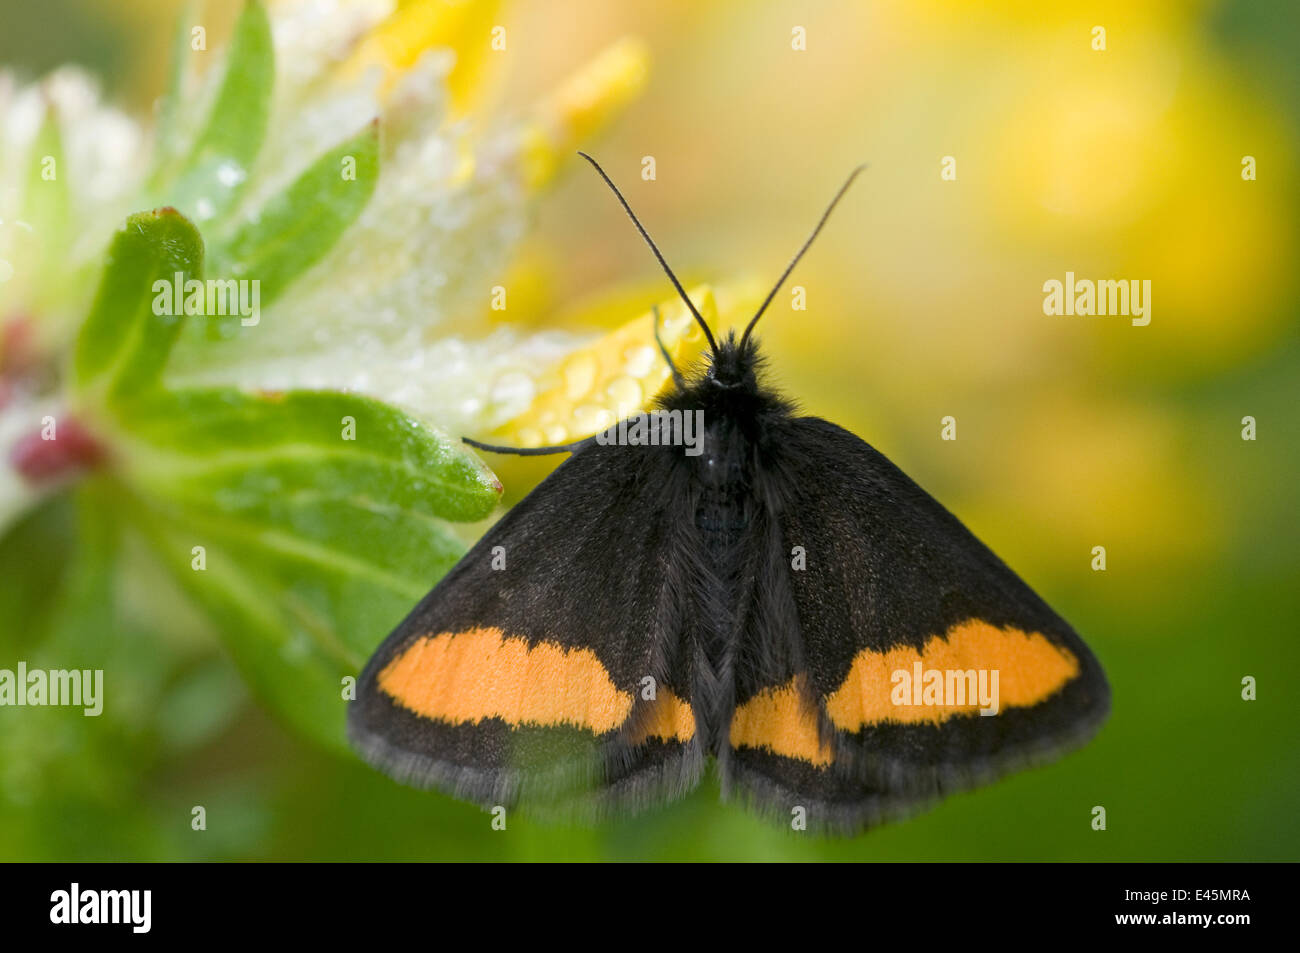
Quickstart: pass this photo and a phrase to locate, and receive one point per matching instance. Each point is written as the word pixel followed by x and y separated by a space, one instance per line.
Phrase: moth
pixel 785 605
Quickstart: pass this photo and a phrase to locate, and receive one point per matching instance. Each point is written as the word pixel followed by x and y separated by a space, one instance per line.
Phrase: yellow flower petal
pixel 582 105
pixel 464 26
pixel 616 375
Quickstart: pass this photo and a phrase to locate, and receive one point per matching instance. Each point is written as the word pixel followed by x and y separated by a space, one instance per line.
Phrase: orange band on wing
pixel 1029 668
pixel 780 720
pixel 468 676
pixel 668 718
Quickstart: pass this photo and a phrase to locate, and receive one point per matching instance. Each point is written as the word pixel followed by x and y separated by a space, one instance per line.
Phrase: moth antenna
pixel 527 451
pixel 668 358
pixel 713 345
pixel 799 254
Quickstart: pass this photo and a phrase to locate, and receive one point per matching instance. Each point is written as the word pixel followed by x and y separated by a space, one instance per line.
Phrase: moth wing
pixel 886 585
pixel 535 669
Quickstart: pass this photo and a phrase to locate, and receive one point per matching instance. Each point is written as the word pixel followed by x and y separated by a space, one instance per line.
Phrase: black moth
pixel 787 604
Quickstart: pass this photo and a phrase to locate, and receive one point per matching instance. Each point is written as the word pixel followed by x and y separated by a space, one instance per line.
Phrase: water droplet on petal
pixel 637 361
pixel 589 419
pixel 230 174
pixel 579 376
pixel 625 394
pixel 514 389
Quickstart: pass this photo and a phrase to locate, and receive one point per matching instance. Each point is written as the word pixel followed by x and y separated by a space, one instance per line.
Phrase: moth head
pixel 733 365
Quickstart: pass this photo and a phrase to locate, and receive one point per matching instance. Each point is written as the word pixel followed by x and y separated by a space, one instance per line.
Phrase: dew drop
pixel 589 419
pixel 579 376
pixel 637 361
pixel 230 175
pixel 514 389
pixel 625 394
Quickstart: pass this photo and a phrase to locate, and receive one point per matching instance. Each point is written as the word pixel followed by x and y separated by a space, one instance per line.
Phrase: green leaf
pixel 296 228
pixel 36 231
pixel 124 342
pixel 34 557
pixel 200 704
pixel 45 206
pixel 225 149
pixel 320 516
pixel 280 442
pixel 168 128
